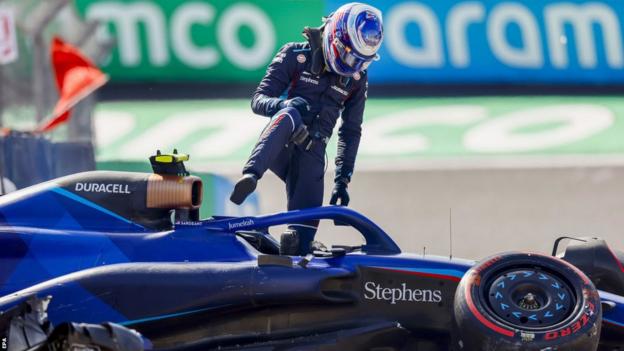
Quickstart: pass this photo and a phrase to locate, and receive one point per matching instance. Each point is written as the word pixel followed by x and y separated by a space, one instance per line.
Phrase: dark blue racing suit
pixel 330 96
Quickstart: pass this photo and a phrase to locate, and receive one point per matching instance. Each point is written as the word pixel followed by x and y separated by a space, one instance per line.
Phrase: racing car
pixel 121 261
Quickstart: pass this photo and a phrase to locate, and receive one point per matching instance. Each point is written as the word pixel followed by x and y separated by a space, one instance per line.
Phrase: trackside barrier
pixel 27 159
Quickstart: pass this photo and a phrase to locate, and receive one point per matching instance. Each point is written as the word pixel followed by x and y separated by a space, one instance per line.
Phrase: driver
pixel 307 87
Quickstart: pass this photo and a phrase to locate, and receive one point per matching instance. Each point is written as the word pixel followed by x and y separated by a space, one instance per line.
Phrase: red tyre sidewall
pixel 582 327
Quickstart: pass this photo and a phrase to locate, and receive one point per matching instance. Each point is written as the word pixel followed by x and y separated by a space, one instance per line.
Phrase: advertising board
pixel 217 41
pixel 443 41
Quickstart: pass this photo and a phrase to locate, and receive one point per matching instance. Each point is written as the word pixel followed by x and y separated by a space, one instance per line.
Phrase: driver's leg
pixel 274 137
pixel 304 186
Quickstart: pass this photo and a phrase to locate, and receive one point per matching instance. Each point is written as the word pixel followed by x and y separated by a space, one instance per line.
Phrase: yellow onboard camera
pixel 169 164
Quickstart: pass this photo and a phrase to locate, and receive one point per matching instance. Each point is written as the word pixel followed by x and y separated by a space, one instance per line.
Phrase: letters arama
pixel 548 33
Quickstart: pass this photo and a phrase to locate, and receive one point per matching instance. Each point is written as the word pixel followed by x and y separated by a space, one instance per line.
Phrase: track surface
pixel 492 210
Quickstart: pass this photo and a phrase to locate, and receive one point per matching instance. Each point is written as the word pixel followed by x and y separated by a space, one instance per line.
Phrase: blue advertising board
pixel 492 41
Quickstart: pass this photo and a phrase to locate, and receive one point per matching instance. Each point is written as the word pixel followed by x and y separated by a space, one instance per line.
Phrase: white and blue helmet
pixel 351 38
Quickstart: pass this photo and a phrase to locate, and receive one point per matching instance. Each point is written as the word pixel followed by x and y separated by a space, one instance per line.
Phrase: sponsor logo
pixel 309 80
pixel 155 32
pixel 544 27
pixel 341 91
pixel 357 76
pixel 569 330
pixel 243 223
pixel 102 188
pixel 375 291
pixel 527 337
pixel 301 58
pixel 556 37
pixel 574 328
pixel 192 223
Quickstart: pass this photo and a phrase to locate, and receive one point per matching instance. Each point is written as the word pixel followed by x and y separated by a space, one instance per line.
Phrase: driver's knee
pixel 282 125
pixel 291 116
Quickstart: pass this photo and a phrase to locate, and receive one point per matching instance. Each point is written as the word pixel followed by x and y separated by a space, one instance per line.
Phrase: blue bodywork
pixel 74 234
pixel 74 241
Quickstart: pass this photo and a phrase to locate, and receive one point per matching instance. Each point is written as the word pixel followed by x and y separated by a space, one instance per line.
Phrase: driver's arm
pixel 266 100
pixel 350 131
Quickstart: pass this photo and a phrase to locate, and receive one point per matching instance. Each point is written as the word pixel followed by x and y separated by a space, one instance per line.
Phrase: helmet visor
pixel 351 58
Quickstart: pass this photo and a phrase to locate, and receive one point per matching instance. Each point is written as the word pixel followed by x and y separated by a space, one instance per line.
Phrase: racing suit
pixel 298 70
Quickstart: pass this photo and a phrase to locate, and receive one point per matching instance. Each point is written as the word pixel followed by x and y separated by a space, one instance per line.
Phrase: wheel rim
pixel 530 299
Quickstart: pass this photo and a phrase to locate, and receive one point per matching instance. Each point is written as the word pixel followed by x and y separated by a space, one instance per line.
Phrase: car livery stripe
pixel 481 318
pixel 612 322
pixel 88 203
pixel 164 316
pixel 445 274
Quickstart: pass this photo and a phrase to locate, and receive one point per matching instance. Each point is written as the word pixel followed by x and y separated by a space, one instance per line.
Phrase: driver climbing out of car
pixel 307 87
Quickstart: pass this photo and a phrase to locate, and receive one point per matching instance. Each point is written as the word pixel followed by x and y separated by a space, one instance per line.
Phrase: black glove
pixel 340 193
pixel 298 103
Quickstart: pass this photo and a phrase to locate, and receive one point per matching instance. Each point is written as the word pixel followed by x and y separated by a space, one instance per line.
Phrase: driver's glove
pixel 340 193
pixel 298 103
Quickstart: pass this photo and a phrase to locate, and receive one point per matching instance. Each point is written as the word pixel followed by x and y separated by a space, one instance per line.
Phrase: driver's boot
pixel 289 243
pixel 272 140
pixel 243 188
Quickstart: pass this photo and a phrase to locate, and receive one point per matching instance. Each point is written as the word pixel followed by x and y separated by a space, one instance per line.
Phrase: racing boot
pixel 289 243
pixel 243 188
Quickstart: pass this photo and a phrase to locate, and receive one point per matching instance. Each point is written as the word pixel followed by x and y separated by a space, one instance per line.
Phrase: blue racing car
pixel 120 261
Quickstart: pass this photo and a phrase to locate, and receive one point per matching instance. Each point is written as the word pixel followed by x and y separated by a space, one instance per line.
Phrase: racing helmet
pixel 351 38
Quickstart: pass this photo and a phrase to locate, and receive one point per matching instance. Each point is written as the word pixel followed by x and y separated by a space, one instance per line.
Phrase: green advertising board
pixel 221 133
pixel 217 40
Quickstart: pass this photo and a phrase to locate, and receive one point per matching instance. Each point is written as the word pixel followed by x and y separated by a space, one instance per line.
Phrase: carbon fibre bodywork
pixel 103 257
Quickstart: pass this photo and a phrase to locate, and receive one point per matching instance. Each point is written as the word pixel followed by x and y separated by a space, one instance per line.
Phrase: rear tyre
pixel 518 301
